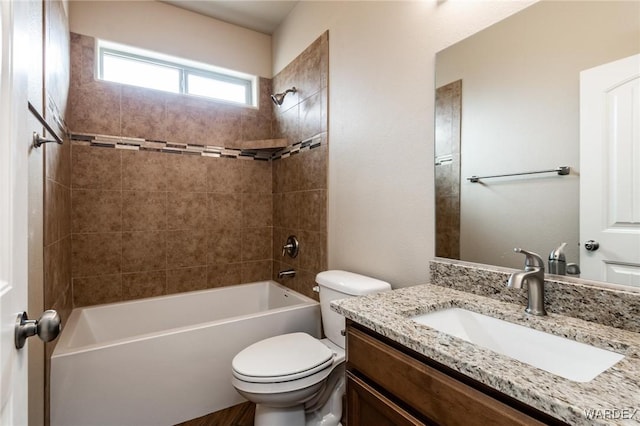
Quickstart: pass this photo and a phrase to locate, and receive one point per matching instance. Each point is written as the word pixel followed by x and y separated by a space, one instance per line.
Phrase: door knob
pixel 47 327
pixel 591 245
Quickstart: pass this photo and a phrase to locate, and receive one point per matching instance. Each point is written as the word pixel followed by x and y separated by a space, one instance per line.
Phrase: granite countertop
pixel 611 398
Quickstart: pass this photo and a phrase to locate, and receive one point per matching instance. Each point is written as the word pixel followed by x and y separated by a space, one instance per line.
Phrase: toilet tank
pixel 340 285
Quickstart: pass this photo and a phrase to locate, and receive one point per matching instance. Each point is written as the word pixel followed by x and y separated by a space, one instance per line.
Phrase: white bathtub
pixel 164 360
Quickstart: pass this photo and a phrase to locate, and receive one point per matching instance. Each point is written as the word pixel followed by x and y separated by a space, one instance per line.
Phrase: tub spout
pixel 287 273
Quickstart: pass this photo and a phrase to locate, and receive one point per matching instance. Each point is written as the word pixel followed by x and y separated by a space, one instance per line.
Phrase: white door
pixel 14 142
pixel 610 172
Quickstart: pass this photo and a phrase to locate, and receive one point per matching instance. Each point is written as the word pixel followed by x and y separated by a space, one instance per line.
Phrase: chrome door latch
pixel 47 327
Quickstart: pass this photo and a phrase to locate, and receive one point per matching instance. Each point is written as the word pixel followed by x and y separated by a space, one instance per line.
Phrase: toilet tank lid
pixel 351 283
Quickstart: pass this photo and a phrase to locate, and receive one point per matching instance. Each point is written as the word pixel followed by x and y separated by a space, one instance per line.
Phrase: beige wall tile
pixel 186 279
pixel 255 126
pixel 143 284
pixel 324 113
pixel 144 251
pixel 186 210
pixel 57 269
pixel 186 173
pixel 58 162
pixel 184 124
pixel 309 70
pixel 96 210
pixel 314 172
pixel 75 57
pixel 256 244
pixel 224 245
pixel 95 167
pixel 225 210
pixel 57 211
pixel 144 211
pixel 223 128
pixel 139 112
pixel 94 108
pixel 279 210
pixel 293 209
pixel 313 250
pixel 96 254
pixel 313 214
pixel 288 173
pixel 191 222
pixel 186 248
pixel 265 104
pixel 144 170
pixel 256 177
pixel 224 175
pixel 256 271
pixel 97 289
pixel 143 113
pixel 310 116
pixel 224 274
pixel 257 210
pixel 286 125
pixel 300 180
pixel 87 49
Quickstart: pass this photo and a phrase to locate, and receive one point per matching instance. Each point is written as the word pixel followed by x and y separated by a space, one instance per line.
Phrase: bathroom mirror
pixel 508 101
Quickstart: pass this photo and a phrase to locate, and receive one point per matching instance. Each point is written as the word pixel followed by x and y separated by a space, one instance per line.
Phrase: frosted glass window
pixel 140 73
pixel 129 65
pixel 218 89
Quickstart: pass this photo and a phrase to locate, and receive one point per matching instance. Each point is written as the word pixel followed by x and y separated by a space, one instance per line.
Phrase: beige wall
pixel 521 111
pixel 164 28
pixel 381 101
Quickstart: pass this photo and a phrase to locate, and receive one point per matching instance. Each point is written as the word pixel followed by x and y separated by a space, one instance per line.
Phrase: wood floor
pixel 238 415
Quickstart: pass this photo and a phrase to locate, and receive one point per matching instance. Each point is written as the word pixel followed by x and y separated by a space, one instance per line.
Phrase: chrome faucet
pixel 533 277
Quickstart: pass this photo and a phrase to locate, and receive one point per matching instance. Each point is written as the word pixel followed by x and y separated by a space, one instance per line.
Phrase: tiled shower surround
pixel 175 211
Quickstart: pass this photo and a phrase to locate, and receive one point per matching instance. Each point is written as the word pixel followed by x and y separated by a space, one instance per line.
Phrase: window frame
pixel 184 69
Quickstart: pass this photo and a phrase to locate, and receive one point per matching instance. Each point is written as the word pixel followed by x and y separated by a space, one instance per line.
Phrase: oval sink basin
pixel 564 357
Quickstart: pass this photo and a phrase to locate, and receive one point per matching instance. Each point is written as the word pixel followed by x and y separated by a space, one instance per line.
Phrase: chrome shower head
pixel 278 98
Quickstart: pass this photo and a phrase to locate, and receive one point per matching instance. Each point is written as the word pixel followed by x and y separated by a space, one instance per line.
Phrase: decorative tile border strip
pixel 314 142
pixel 139 144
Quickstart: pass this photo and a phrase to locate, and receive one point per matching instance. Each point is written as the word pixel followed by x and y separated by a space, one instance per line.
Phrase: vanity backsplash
pixel 569 296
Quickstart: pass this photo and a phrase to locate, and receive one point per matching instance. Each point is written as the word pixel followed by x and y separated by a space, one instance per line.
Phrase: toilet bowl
pixel 296 379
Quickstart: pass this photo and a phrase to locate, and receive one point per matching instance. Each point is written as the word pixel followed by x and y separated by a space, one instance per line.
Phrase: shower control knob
pixel 47 327
pixel 591 245
pixel 291 247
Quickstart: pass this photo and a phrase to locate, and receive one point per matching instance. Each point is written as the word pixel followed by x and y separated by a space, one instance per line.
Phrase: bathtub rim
pixel 63 349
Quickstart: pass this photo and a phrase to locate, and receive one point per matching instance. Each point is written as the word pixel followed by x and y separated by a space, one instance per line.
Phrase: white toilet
pixel 296 379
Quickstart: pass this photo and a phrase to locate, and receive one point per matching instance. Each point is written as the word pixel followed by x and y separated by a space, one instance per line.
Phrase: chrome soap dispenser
pixel 558 261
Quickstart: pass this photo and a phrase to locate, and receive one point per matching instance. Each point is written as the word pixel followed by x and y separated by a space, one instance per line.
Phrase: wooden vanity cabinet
pixel 388 384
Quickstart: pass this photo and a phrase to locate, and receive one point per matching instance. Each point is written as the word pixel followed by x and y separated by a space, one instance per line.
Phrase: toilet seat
pixel 282 358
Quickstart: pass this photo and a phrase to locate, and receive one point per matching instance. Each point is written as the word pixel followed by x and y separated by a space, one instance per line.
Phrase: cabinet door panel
pixel 366 407
pixel 439 397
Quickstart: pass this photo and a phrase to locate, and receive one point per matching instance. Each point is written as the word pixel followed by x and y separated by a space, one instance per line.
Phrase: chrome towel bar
pixel 561 170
